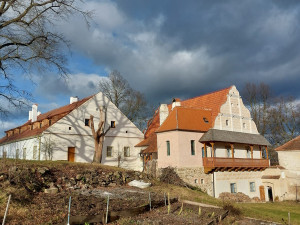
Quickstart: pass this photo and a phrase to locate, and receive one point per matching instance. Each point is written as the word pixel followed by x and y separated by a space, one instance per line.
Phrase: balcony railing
pixel 238 164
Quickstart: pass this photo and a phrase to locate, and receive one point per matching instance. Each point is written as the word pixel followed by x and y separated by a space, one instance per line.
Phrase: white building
pixel 67 134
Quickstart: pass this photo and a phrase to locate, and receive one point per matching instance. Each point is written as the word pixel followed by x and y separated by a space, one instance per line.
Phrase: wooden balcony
pixel 214 164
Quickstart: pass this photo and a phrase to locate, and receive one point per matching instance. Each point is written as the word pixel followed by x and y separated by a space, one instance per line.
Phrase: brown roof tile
pixel 190 119
pixel 291 145
pixel 59 112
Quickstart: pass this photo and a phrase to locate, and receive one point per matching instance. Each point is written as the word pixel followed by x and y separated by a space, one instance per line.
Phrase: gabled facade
pixel 211 141
pixel 67 130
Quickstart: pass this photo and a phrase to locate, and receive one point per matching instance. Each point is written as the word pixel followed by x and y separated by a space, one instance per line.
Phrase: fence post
pixel 3 222
pixel 106 216
pixel 69 211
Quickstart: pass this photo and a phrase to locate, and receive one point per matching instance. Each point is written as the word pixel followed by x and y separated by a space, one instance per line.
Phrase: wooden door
pixel 71 154
pixel 262 193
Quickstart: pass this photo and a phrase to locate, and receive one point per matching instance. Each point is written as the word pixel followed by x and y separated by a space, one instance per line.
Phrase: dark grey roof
pixel 233 137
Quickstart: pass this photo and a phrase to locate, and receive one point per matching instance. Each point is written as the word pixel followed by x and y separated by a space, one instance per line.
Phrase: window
pixel 126 152
pixel 87 122
pixel 227 122
pixel 70 128
pixel 229 152
pixel 202 181
pixel 40 125
pixel 34 153
pixel 24 153
pixel 193 147
pixel 17 154
pixel 248 152
pixel 196 181
pixel 264 153
pixel 50 122
pixel 109 151
pixel 168 148
pixel 203 153
pixel 244 125
pixel 205 120
pixel 252 186
pixel 233 188
pixel 113 124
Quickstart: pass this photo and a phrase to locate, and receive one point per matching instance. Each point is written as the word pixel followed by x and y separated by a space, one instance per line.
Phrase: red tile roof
pixel 189 119
pixel 211 101
pixel 59 112
pixel 293 144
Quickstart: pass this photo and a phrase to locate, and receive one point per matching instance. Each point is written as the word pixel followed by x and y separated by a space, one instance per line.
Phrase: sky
pixel 174 48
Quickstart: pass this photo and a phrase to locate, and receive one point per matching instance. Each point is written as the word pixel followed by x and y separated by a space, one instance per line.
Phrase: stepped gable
pixel 211 101
pixel 58 113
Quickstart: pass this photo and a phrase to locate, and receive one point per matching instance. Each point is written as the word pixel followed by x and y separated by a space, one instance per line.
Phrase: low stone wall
pixel 196 177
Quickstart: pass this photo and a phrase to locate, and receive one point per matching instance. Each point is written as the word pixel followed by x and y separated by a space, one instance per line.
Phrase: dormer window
pixel 205 120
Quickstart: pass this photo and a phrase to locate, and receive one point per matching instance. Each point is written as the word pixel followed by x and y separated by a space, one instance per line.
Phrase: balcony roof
pixel 214 135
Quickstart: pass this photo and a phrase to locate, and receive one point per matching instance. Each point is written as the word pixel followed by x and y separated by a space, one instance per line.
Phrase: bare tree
pixel 47 147
pixel 131 102
pixel 277 118
pixel 28 43
pixel 99 134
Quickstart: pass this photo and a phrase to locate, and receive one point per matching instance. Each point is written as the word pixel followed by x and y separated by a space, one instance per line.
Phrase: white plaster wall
pixel 70 131
pixel 242 180
pixel 180 145
pixel 240 151
pixel 27 144
pixel 238 116
pixel 290 160
pixel 80 136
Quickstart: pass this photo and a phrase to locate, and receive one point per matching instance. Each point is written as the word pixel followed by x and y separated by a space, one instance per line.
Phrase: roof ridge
pixel 208 93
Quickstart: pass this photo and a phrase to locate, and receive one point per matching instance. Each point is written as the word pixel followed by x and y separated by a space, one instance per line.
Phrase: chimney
pixel 39 113
pixel 175 102
pixel 73 99
pixel 163 113
pixel 30 115
pixel 34 112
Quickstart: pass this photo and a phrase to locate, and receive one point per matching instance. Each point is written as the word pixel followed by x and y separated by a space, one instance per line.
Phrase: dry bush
pixel 169 176
pixel 233 210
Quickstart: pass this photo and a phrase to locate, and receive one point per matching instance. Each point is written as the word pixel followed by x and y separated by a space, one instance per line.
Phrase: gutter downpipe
pixel 214 192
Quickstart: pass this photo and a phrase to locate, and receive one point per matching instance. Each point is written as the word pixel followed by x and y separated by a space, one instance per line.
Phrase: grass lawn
pixel 266 211
pixel 272 211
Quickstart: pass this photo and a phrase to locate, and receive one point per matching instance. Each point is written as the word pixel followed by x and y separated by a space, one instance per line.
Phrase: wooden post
pixel 260 151
pixel 232 150
pixel 212 149
pixel 267 152
pixel 251 148
pixel 205 153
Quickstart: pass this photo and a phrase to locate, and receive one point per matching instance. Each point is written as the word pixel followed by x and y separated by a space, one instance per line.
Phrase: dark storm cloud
pixel 186 48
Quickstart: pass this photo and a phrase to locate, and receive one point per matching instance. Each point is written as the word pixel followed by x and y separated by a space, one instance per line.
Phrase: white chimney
pixel 163 113
pixel 73 99
pixel 39 113
pixel 176 102
pixel 30 115
pixel 34 112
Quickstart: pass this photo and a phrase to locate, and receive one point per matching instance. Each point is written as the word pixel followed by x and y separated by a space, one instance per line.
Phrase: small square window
pixel 87 122
pixel 113 124
pixel 109 151
pixel 126 152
